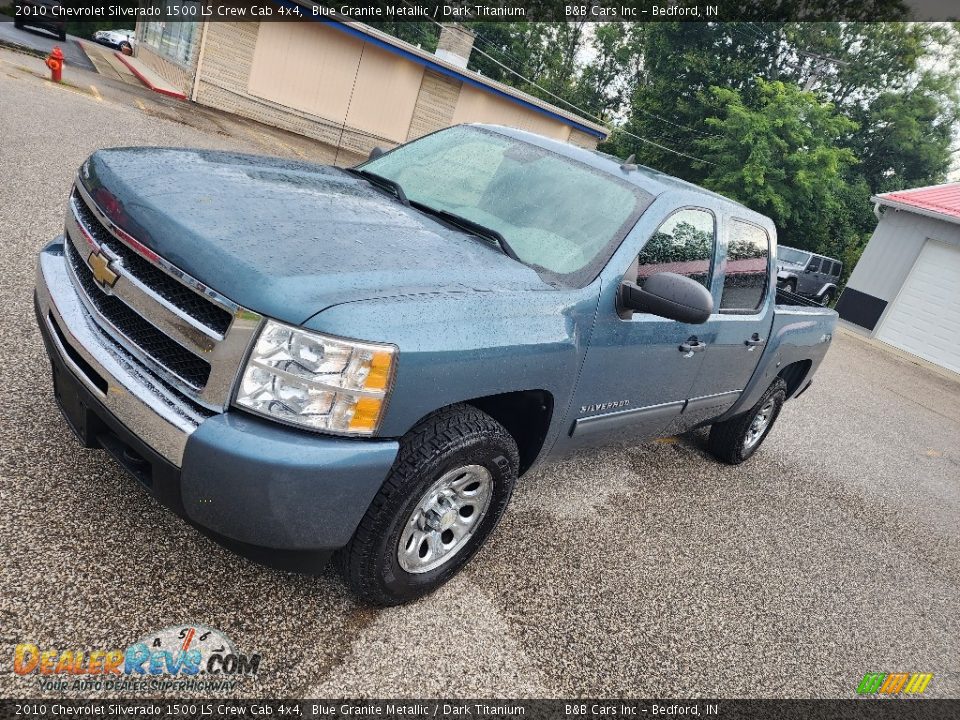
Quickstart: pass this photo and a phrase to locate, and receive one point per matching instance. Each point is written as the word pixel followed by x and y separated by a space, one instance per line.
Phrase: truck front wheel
pixel 736 439
pixel 446 492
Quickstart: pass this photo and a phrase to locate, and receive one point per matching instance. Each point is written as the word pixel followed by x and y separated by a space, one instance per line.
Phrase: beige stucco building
pixel 344 83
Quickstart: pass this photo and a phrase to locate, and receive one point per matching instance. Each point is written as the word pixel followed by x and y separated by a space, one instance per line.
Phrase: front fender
pixel 827 286
pixel 456 347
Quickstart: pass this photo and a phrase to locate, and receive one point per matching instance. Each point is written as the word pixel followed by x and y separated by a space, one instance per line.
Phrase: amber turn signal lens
pixel 379 375
pixel 366 413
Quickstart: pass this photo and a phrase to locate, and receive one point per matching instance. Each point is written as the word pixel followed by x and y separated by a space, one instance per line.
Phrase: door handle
pixel 692 346
pixel 754 340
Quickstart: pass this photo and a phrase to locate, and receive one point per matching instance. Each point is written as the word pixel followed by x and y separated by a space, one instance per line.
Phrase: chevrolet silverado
pixel 361 362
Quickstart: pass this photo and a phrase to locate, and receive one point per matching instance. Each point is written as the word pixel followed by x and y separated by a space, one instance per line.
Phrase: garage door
pixel 925 317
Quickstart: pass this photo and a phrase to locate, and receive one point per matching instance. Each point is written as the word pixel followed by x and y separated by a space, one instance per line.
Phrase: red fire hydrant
pixel 55 63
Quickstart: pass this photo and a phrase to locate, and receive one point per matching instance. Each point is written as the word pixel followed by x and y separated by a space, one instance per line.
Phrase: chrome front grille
pixel 186 333
pixel 196 306
pixel 174 357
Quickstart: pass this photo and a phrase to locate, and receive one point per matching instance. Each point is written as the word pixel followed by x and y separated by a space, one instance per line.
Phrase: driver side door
pixel 639 368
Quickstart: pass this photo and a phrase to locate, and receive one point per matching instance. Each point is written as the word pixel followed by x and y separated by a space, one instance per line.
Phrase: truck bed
pixel 785 297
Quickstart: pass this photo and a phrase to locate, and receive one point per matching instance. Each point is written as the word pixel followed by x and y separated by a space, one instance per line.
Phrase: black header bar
pixel 574 709
pixel 501 10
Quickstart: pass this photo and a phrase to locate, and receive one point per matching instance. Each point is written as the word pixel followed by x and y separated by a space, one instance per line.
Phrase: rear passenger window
pixel 746 277
pixel 814 265
pixel 836 269
pixel 683 244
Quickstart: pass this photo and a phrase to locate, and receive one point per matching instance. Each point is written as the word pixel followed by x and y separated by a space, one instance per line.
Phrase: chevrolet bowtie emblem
pixel 102 272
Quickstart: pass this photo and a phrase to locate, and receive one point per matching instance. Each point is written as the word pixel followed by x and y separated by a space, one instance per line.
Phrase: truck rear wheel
pixel 446 492
pixel 736 439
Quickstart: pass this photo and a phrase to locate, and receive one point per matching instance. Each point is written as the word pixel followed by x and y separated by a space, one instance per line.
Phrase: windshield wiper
pixel 470 226
pixel 381 182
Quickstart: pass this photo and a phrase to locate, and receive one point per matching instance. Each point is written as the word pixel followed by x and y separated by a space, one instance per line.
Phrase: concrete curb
pixel 22 49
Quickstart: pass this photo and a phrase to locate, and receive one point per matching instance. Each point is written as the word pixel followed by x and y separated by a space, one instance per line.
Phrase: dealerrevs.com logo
pixel 894 683
pixel 180 658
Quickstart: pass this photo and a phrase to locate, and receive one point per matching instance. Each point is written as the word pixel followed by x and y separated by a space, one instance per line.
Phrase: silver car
pixel 808 274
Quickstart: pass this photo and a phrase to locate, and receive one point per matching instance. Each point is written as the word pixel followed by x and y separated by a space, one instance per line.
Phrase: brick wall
pixel 435 104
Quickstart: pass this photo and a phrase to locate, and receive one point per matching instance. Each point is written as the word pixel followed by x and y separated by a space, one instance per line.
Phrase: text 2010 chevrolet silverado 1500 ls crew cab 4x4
pixel 363 361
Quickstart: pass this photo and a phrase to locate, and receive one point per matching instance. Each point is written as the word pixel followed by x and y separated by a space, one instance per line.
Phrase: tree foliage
pixel 780 156
pixel 804 121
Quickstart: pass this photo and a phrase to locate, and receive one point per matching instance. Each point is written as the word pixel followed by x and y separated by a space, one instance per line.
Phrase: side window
pixel 836 269
pixel 814 265
pixel 746 277
pixel 683 244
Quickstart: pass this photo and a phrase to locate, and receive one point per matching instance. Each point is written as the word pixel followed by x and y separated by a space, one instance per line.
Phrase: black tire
pixel 826 298
pixel 728 439
pixel 790 286
pixel 444 442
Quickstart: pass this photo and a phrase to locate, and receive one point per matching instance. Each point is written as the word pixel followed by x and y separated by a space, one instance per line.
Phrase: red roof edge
pixel 940 199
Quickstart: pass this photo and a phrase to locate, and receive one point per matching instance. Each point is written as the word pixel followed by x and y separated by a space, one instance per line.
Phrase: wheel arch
pixel 793 375
pixel 525 414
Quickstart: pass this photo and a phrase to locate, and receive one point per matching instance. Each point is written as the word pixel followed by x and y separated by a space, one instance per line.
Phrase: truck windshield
pixel 794 257
pixel 560 216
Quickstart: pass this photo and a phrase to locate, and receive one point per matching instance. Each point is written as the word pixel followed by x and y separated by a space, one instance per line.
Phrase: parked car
pixel 808 274
pixel 40 14
pixel 122 40
pixel 363 361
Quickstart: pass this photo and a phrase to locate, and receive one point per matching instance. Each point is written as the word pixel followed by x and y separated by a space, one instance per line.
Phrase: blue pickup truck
pixel 306 361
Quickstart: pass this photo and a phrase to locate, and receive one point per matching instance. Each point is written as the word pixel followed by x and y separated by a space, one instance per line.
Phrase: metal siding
pixel 307 67
pixel 478 106
pixel 229 81
pixel 893 249
pixel 385 95
pixel 223 84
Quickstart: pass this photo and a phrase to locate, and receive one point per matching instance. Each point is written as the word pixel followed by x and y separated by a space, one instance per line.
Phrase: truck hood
pixel 289 239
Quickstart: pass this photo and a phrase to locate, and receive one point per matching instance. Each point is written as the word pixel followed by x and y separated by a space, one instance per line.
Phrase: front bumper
pixel 238 476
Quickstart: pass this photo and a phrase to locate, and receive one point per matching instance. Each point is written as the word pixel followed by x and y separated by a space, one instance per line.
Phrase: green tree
pixel 780 157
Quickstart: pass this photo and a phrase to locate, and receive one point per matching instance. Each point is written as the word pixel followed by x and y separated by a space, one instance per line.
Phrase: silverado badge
pixel 102 272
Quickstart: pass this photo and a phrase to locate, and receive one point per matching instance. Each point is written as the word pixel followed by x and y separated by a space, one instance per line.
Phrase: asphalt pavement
pixel 648 571
pixel 44 41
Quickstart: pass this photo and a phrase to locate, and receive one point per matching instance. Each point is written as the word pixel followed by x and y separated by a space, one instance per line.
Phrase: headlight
pixel 317 381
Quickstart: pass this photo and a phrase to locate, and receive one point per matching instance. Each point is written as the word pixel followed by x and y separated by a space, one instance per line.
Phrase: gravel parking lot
pixel 649 571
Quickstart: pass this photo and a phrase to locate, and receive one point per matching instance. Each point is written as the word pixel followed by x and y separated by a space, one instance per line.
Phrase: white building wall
pixel 893 250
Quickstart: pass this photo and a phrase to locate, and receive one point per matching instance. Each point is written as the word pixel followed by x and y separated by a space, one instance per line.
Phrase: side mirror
pixel 376 152
pixel 669 295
